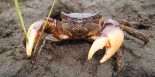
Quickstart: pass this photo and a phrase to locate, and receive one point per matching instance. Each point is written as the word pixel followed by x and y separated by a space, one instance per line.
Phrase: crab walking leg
pixel 135 34
pixel 111 38
pixel 127 26
pixel 49 37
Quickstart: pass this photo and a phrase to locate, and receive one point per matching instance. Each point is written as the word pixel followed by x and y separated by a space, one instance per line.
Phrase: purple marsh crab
pixel 105 33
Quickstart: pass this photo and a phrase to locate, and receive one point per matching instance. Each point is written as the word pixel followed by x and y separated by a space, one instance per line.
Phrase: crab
pixel 106 34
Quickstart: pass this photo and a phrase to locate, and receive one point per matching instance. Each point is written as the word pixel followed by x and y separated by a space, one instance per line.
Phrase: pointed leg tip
pixel 103 60
pixel 29 55
pixel 89 58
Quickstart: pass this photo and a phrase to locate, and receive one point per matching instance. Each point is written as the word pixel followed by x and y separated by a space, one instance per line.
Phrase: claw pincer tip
pixel 111 38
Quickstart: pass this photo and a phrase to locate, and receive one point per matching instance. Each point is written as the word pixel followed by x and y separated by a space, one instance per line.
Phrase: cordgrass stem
pixel 44 26
pixel 20 18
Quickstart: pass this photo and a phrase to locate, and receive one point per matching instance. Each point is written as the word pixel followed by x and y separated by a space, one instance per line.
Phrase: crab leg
pixel 49 37
pixel 136 34
pixel 111 38
pixel 126 26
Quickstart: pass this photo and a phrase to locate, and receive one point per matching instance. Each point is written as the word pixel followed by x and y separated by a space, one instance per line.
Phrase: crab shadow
pixel 72 42
pixel 98 54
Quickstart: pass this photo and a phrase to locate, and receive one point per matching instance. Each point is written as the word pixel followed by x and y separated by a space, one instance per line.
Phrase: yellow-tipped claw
pixel 31 41
pixel 112 42
pixel 33 34
pixel 97 45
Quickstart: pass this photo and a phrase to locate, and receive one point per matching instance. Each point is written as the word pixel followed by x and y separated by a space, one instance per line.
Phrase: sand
pixel 69 58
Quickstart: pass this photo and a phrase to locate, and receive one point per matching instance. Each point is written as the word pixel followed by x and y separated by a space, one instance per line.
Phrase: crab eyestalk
pixel 111 38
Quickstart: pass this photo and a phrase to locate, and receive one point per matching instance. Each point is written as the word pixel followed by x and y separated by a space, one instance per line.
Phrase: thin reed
pixel 20 18
pixel 22 22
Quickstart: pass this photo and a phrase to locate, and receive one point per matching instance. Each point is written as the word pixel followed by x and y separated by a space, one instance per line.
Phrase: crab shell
pixel 81 25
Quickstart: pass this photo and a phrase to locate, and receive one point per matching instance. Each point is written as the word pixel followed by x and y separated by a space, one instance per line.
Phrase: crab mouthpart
pixel 111 38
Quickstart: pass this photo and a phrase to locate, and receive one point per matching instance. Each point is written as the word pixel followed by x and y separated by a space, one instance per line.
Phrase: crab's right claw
pixel 111 38
pixel 33 35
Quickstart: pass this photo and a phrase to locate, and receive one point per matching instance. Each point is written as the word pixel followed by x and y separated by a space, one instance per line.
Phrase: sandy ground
pixel 69 58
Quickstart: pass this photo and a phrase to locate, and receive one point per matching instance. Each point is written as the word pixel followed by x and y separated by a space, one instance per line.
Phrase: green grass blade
pixel 20 18
pixel 44 26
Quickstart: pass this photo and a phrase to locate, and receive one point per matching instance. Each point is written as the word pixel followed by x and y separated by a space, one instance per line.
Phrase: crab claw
pixel 33 34
pixel 111 38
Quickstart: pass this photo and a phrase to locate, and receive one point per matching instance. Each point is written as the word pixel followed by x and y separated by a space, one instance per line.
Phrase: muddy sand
pixel 69 58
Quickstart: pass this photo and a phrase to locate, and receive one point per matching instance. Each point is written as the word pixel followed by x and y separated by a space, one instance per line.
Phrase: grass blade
pixel 20 18
pixel 44 26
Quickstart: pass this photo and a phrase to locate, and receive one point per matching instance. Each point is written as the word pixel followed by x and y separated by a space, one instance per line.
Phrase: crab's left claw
pixel 34 32
pixel 111 38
